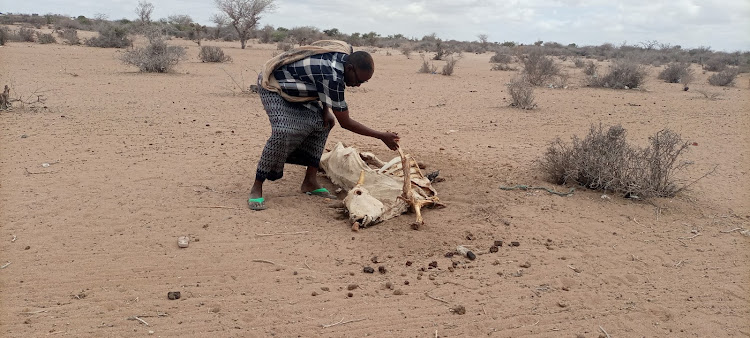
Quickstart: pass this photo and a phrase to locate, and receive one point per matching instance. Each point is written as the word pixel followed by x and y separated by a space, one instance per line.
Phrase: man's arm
pixel 390 139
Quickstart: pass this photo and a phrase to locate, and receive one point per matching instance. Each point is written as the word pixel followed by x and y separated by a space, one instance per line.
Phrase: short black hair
pixel 361 60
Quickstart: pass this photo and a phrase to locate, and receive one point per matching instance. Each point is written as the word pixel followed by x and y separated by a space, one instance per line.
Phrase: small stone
pixel 459 310
pixel 382 269
pixel 374 259
pixel 24 136
pixel 498 243
pixel 172 295
pixel 515 244
pixel 525 265
pixel 350 295
pixel 433 265
pixel 409 263
pixel 151 332
pixel 215 309
pixel 295 273
pixel 314 294
pixel 406 282
pixel 493 249
pixel 27 247
pixel 398 292
pixel 325 288
pixel 469 236
pixel 562 304
pixel 352 287
pixel 431 277
pixel 368 269
pixel 183 241
pixel 388 285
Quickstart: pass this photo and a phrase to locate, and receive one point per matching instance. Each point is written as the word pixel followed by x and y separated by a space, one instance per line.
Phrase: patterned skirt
pixel 298 135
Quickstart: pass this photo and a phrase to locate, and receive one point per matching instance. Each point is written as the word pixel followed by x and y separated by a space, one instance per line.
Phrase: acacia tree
pixel 144 10
pixel 220 20
pixel 244 15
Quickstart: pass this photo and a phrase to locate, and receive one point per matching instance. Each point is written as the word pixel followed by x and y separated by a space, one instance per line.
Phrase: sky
pixel 721 25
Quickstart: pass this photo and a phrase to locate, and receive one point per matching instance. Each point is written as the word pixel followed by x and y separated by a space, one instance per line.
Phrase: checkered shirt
pixel 319 75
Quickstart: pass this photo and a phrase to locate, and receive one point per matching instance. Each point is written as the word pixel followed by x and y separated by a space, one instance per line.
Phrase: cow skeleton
pixel 377 189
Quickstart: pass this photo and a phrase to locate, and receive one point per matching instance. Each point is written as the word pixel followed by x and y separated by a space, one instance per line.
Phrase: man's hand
pixel 390 139
pixel 329 121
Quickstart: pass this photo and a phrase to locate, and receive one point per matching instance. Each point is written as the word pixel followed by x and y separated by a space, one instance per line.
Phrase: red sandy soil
pixel 137 160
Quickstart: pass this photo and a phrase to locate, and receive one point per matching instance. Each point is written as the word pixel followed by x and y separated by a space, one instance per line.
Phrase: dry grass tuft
pixel 622 74
pixel 156 57
pixel 213 54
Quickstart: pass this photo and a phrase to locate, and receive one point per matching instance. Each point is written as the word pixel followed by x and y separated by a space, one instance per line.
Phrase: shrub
pixel 501 58
pixel 427 67
pixel 285 46
pixel 156 57
pixel 623 74
pixel 406 50
pixel 4 35
pixel 539 68
pixel 45 38
pixel 71 35
pixel 717 63
pixel 521 93
pixel 579 63
pixel 605 161
pixel 590 68
pixel 677 72
pixel 724 78
pixel 450 65
pixel 213 54
pixel 110 36
pixel 502 66
pixel 25 34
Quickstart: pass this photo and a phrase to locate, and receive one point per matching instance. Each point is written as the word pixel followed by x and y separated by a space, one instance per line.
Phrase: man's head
pixel 358 69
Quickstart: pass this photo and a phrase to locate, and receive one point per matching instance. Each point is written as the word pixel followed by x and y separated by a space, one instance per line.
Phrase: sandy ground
pixel 137 160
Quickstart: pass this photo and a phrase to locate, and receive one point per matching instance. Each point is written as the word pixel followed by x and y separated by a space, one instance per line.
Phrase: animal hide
pixel 377 189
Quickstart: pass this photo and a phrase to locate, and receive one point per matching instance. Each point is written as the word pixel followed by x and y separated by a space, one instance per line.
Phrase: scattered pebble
pixel 172 295
pixel 388 285
pixel 27 247
pixel 449 254
pixel 433 265
pixel 515 244
pixel 562 304
pixel 24 136
pixel 398 292
pixel 498 243
pixel 493 249
pixel 368 269
pixel 374 259
pixel 325 288
pixel 408 263
pixel 382 269
pixel 352 287
pixel 183 241
pixel 350 295
pixel 406 282
pixel 314 293
pixel 525 265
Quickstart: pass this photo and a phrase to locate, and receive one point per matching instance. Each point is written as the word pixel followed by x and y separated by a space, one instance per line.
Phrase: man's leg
pixel 310 183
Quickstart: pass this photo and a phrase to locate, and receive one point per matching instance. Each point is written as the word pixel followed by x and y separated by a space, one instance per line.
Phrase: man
pixel 302 90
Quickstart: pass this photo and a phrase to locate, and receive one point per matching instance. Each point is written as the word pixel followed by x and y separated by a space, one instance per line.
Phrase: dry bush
pixel 590 68
pixel 156 57
pixel 503 67
pixel 427 67
pixel 521 93
pixel 579 63
pixel 213 54
pixel 501 58
pixel 724 78
pixel 539 68
pixel 717 63
pixel 605 161
pixel 677 72
pixel 25 34
pixel 623 74
pixel 406 50
pixel 450 65
pixel 708 95
pixel 45 38
pixel 4 35
pixel 110 36
pixel 284 46
pixel 70 35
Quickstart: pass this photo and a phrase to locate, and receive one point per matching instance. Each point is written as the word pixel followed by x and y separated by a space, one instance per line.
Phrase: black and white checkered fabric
pixel 319 75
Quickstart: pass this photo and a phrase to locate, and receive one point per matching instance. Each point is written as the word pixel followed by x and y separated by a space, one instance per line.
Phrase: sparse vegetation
pixel 521 93
pixel 4 35
pixel 677 72
pixel 590 68
pixel 450 65
pixel 156 57
pixel 110 36
pixel 70 35
pixel 503 67
pixel 406 50
pixel 45 38
pixel 501 58
pixel 605 161
pixel 243 15
pixel 427 67
pixel 213 54
pixel 25 34
pixel 539 68
pixel 284 46
pixel 622 74
pixel 579 63
pixel 724 78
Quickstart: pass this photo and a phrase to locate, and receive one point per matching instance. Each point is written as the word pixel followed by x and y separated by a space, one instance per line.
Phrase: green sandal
pixel 256 204
pixel 322 192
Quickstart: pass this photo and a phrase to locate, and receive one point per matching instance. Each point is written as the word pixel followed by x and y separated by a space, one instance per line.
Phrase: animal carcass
pixel 377 189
